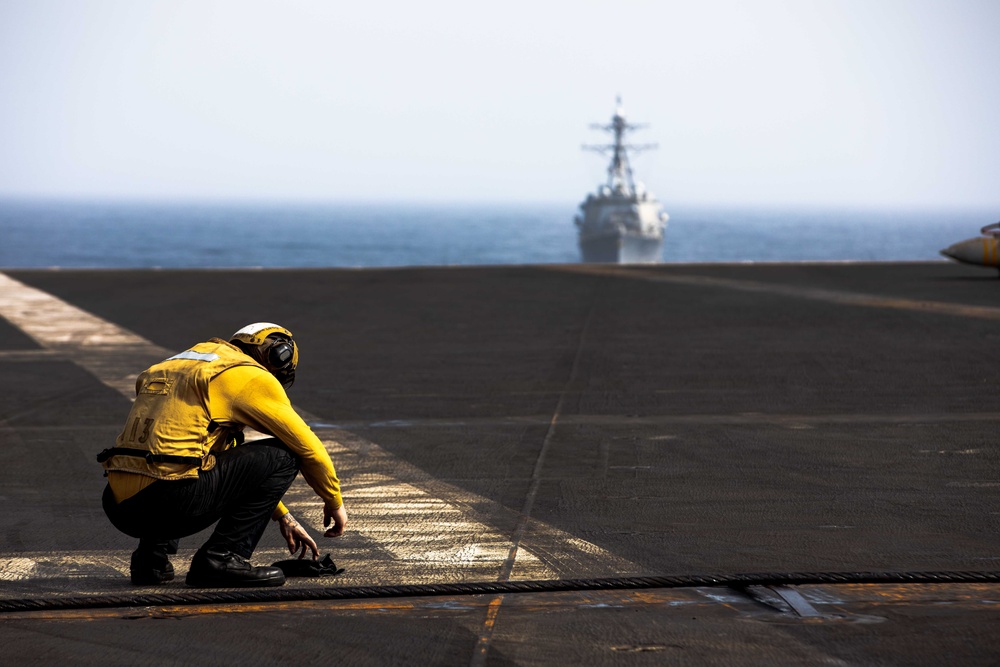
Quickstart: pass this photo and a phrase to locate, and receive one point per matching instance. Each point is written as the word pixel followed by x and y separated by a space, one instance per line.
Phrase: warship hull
pixel 621 249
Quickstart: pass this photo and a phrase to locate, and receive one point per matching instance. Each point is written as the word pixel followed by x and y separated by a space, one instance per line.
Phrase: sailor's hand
pixel 296 536
pixel 338 515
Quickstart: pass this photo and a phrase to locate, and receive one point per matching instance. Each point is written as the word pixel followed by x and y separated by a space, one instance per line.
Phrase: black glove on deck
pixel 307 567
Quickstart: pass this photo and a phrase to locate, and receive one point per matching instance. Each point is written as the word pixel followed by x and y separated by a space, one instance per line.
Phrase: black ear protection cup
pixel 278 356
pixel 280 353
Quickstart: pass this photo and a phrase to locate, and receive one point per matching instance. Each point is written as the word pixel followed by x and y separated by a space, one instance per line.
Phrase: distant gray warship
pixel 621 222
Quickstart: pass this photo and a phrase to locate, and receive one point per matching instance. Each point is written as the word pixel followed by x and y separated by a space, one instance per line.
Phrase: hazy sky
pixel 849 102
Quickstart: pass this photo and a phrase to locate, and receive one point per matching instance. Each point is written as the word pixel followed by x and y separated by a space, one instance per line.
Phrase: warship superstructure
pixel 621 222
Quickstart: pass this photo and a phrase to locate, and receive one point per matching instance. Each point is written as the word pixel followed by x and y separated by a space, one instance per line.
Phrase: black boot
pixel 150 565
pixel 211 568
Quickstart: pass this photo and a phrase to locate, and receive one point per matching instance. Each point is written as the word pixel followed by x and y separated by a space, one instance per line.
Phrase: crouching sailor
pixel 180 464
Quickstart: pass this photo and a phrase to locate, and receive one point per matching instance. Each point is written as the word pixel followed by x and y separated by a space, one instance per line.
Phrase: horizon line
pixel 252 200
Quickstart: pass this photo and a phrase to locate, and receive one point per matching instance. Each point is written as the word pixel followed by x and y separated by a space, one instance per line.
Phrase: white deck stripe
pixel 429 529
pixel 112 354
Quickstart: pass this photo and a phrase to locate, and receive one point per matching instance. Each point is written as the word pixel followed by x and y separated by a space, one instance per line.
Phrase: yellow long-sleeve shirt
pixel 250 396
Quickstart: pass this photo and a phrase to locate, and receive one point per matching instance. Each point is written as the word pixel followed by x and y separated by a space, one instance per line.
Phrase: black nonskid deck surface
pixel 544 423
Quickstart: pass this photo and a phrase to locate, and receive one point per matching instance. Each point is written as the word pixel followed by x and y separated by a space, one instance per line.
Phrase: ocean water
pixel 117 234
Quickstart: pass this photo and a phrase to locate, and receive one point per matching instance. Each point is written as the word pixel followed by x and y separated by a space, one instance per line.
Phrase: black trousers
pixel 240 492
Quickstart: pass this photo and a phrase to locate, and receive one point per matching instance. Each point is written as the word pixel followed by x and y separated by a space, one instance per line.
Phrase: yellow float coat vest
pixel 169 433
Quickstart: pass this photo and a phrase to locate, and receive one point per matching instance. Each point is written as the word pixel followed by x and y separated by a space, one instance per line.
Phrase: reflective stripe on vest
pixel 193 356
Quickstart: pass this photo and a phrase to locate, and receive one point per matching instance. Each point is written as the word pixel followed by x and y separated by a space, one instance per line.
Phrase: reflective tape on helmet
pixel 257 333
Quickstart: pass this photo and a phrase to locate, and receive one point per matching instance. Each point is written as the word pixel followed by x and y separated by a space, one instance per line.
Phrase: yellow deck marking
pixel 429 529
pixel 815 294
pixel 486 635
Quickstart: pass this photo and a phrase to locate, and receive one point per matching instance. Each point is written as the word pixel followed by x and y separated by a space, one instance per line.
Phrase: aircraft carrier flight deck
pixel 540 424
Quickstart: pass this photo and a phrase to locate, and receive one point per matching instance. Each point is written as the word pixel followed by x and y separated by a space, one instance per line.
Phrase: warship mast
pixel 620 179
